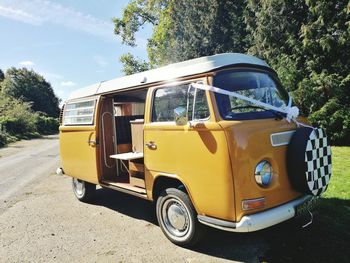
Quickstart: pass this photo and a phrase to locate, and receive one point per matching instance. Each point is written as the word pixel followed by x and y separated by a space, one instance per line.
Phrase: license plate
pixel 305 207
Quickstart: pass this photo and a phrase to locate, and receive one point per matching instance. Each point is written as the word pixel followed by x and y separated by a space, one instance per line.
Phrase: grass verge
pixel 328 238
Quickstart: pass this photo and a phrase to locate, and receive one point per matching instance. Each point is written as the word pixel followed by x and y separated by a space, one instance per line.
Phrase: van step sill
pixel 125 187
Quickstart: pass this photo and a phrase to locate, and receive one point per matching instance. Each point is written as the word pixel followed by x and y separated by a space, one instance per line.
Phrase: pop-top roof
pixel 170 72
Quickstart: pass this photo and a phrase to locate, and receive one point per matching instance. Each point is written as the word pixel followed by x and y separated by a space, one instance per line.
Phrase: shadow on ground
pixel 326 240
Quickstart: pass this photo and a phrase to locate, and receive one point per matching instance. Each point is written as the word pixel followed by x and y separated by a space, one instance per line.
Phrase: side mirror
pixel 180 114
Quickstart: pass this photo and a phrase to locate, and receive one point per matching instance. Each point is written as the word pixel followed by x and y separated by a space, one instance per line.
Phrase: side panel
pixel 198 156
pixel 79 152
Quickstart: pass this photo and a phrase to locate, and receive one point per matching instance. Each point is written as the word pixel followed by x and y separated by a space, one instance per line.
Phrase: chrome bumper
pixel 254 222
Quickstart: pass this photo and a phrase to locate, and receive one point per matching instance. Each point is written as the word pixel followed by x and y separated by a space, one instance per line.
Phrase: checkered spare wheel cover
pixel 309 161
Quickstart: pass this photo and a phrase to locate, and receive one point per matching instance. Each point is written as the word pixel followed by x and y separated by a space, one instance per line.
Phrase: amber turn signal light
pixel 253 203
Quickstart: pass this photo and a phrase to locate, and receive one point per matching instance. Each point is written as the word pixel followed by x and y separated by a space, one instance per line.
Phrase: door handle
pixel 92 142
pixel 151 145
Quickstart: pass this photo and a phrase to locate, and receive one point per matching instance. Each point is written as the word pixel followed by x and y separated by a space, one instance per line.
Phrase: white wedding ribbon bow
pixel 291 112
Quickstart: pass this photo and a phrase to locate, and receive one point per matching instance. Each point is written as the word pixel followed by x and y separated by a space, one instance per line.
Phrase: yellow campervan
pixel 213 141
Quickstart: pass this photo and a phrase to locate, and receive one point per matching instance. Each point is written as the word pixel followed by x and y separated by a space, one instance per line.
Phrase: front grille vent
pixel 281 138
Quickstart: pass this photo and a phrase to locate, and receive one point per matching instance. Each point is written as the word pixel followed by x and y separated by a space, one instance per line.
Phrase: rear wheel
pixel 83 191
pixel 178 218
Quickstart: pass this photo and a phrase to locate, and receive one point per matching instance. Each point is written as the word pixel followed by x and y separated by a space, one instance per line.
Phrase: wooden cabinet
pixel 137 135
pixel 137 175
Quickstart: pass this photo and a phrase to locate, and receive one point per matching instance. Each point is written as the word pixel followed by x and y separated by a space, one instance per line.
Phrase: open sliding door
pixel 79 139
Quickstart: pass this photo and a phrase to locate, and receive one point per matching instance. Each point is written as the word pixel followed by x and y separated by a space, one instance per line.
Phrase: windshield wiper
pixel 277 114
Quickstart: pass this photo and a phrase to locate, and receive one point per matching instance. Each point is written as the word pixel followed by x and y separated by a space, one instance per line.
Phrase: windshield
pixel 257 85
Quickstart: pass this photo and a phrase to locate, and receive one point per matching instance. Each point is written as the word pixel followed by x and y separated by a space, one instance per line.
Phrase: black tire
pixel 177 218
pixel 82 190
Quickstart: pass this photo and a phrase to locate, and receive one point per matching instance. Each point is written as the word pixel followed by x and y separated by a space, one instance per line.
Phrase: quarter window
pixel 166 100
pixel 79 113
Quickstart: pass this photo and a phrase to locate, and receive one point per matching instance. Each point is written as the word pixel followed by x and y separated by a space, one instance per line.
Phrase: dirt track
pixel 41 221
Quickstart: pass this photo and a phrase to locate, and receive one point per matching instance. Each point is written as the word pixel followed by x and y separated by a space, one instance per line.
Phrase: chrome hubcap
pixel 78 186
pixel 175 217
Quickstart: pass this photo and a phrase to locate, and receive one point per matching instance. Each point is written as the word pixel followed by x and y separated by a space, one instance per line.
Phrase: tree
pixel 184 29
pixel 191 29
pixel 306 41
pixel 136 14
pixel 31 87
pixel 132 65
pixel 308 44
pixel 16 116
pixel 274 31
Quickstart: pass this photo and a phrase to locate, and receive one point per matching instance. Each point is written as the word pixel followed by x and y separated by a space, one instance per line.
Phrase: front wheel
pixel 177 218
pixel 83 191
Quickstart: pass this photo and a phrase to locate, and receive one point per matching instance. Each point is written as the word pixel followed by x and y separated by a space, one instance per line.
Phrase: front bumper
pixel 258 221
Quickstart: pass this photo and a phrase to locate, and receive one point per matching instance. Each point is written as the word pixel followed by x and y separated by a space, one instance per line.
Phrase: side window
pixel 79 113
pixel 198 105
pixel 166 100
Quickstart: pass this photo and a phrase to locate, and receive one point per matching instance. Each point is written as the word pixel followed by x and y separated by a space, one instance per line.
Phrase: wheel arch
pixel 163 181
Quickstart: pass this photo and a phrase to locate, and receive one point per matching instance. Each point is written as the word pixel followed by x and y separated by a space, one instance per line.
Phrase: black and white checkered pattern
pixel 319 162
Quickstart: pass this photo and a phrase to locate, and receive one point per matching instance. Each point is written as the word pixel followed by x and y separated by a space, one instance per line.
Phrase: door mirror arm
pixel 196 124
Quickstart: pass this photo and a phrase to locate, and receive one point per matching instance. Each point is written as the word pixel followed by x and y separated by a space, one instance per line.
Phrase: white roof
pixel 170 72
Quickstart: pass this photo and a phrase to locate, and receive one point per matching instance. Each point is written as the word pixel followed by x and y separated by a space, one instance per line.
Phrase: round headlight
pixel 263 173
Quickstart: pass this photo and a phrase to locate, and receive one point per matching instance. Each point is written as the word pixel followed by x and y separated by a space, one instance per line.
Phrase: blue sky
pixel 70 43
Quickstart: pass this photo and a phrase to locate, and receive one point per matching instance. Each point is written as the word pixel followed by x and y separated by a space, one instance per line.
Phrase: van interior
pixel 121 140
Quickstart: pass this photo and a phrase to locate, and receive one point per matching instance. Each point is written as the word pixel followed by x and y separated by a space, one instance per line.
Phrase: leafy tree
pixel 135 15
pixel 16 117
pixel 198 28
pixel 17 120
pixel 31 87
pixel 306 41
pixel 46 125
pixel 133 65
pixel 274 29
pixel 184 29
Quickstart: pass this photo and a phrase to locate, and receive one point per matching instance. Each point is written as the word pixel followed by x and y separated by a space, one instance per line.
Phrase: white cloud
pixel 27 63
pixel 68 83
pixel 40 12
pixel 101 61
pixel 19 15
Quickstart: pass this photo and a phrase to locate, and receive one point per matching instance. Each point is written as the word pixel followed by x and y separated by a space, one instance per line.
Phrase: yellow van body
pixel 214 159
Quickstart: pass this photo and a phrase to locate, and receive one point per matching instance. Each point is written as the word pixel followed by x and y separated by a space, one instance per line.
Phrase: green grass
pixel 339 186
pixel 328 238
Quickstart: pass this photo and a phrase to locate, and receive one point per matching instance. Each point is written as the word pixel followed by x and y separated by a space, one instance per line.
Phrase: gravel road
pixel 41 221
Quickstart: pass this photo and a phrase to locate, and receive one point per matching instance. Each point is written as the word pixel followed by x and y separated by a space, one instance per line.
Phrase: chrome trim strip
pixel 283 138
pixel 257 221
pixel 216 223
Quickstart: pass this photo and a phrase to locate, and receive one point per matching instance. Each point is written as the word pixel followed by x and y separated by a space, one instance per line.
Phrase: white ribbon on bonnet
pixel 291 112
